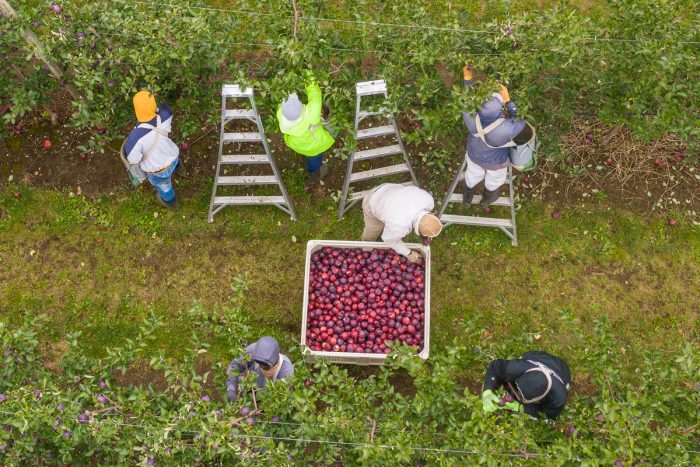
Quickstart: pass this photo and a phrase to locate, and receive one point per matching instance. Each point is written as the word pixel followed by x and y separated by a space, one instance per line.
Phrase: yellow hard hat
pixel 144 106
pixel 429 226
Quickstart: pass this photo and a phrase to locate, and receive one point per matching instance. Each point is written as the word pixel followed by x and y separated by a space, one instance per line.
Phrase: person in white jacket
pixel 393 211
pixel 149 146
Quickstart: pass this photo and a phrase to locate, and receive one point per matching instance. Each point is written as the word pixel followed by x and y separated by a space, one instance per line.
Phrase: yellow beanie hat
pixel 145 106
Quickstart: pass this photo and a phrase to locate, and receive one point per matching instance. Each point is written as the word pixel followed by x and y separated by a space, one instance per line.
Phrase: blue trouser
pixel 162 182
pixel 313 163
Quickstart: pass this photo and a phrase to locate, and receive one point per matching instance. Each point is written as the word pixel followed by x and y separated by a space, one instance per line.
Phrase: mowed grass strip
pixel 99 266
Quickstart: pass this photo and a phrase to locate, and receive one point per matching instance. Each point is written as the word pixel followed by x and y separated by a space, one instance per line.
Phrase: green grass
pixel 100 266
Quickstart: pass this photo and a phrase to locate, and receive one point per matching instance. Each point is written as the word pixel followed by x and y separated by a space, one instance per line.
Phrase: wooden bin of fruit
pixel 361 296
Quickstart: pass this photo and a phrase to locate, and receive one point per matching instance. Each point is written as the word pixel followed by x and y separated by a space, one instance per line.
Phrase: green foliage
pixel 408 411
pixel 630 65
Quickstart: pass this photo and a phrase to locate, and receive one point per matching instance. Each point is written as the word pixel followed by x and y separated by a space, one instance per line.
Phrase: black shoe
pixel 172 205
pixel 467 195
pixel 180 170
pixel 314 178
pixel 488 197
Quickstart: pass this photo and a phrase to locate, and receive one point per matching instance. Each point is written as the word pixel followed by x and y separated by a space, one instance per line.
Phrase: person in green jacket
pixel 303 130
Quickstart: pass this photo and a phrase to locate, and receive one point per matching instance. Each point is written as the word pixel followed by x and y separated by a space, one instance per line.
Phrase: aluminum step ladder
pixel 507 225
pixel 233 94
pixel 366 89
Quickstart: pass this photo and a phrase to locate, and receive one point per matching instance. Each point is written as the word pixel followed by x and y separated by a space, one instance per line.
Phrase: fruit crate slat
pixel 353 358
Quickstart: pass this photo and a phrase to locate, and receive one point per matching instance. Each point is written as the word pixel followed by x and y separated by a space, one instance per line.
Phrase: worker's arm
pixel 315 103
pixel 511 108
pixel 133 148
pixel 234 371
pixel 393 236
pixel 469 84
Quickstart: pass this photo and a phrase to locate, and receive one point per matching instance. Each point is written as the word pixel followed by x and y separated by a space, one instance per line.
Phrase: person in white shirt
pixel 149 146
pixel 393 211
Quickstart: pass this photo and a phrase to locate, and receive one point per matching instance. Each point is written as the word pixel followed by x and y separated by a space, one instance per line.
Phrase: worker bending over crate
pixel 393 211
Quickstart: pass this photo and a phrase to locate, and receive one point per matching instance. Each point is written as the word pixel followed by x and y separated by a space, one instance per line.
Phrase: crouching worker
pixel 393 211
pixel 537 381
pixel 149 147
pixel 488 145
pixel 303 130
pixel 264 360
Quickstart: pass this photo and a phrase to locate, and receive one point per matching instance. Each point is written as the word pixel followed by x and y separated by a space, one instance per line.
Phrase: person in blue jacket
pixel 490 131
pixel 264 360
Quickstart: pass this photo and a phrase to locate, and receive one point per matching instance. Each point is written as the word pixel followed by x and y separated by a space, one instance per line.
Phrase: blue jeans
pixel 162 182
pixel 313 163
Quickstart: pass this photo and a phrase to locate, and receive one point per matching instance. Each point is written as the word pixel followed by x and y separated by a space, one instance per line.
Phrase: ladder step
pixel 246 180
pixel 375 131
pixel 243 200
pixel 242 137
pixel 244 159
pixel 476 220
pixel 369 88
pixel 234 90
pixel 361 194
pixel 239 114
pixel 380 172
pixel 364 114
pixel 376 152
pixel 501 201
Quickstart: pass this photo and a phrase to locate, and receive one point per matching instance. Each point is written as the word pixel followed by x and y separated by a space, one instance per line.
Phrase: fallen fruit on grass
pixel 83 155
pixel 556 214
pixel 47 144
pixel 608 161
pixel 102 399
pixel 275 419
pixel 249 421
pixel 100 131
pixel 569 431
pixel 57 9
pixel 205 398
pixel 83 418
pixel 308 383
pixel 658 161
pixel 17 194
pixel 245 411
pixel 362 301
pixel 185 146
pixel 672 222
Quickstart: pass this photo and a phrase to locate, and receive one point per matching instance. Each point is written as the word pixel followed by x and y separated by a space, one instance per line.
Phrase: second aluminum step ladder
pixel 232 93
pixel 507 225
pixel 366 89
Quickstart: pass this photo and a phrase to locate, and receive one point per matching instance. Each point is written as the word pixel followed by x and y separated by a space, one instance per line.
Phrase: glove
pixel 519 168
pixel 489 401
pixel 467 72
pixel 504 94
pixel 514 406
pixel 415 257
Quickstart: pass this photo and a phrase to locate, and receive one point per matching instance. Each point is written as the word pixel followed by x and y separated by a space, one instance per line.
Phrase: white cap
pixel 292 107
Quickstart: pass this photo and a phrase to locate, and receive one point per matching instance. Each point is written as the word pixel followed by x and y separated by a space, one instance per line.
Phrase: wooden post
pixel 32 40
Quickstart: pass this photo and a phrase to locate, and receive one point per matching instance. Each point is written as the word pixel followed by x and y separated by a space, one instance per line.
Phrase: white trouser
pixel 493 178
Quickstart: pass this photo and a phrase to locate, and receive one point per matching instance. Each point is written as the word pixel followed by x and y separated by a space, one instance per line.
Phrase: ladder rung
pixel 501 201
pixel 246 180
pixel 364 114
pixel 376 152
pixel 239 114
pixel 244 159
pixel 369 88
pixel 375 131
pixel 242 200
pixel 234 90
pixel 242 137
pixel 361 194
pixel 476 220
pixel 380 172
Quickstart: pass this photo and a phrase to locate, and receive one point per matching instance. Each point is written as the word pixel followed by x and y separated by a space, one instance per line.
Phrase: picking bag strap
pixel 482 132
pixel 546 369
pixel 159 131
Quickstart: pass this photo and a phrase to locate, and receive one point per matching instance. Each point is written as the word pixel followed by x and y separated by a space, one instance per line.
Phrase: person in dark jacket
pixel 537 380
pixel 488 149
pixel 265 361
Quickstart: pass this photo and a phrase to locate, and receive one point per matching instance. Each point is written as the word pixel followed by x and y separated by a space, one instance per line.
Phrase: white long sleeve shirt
pixel 141 139
pixel 400 208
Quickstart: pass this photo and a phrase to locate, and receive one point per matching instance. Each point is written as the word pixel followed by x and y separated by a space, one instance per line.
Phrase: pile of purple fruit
pixel 362 301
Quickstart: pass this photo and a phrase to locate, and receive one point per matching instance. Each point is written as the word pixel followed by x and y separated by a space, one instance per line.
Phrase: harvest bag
pixel 136 174
pixel 523 155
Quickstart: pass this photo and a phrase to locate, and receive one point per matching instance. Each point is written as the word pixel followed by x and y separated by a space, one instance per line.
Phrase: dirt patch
pixel 51 354
pixel 403 384
pixel 141 374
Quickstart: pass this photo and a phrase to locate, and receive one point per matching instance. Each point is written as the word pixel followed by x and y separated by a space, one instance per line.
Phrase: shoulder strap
pixel 159 131
pixel 482 132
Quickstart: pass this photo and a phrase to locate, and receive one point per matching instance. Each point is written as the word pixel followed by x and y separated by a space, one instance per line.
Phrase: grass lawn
pixel 101 265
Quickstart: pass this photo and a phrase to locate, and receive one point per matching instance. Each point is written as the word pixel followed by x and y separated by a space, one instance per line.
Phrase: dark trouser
pixel 313 163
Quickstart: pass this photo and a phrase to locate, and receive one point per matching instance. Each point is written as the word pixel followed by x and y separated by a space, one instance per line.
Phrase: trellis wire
pixel 402 25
